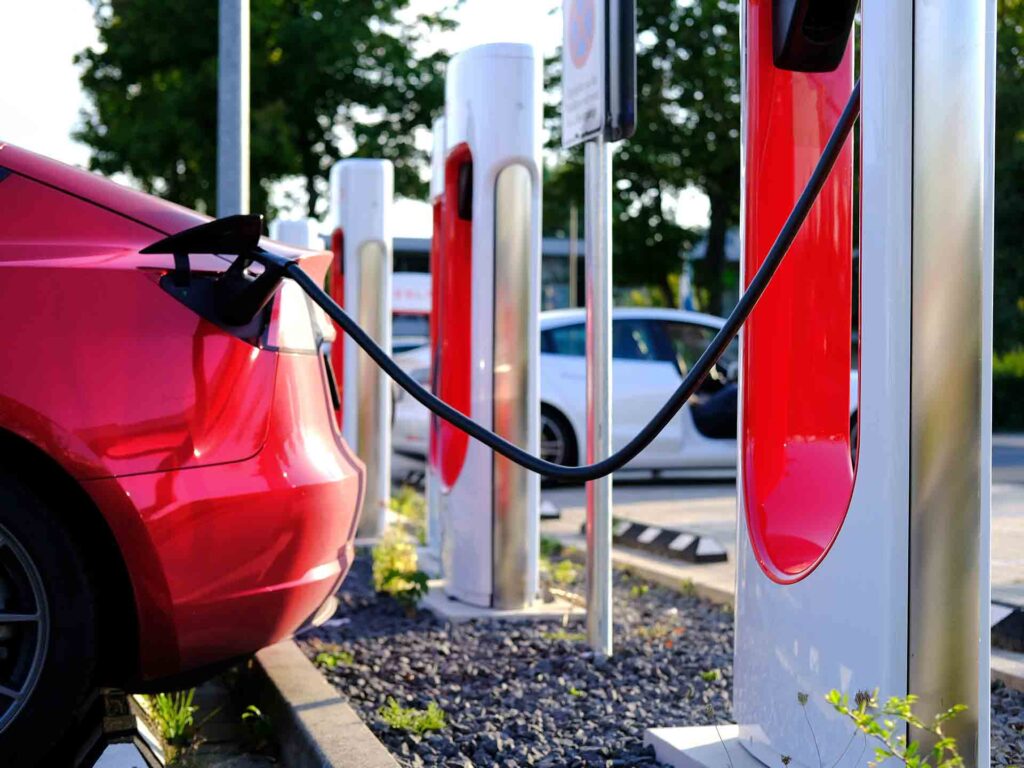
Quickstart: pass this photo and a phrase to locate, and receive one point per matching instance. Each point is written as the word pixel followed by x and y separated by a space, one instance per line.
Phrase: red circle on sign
pixel 582 20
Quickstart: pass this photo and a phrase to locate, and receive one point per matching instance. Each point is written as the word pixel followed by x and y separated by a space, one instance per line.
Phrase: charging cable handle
pixel 762 278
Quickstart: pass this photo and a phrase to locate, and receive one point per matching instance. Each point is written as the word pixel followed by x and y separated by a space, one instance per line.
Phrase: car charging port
pixel 235 299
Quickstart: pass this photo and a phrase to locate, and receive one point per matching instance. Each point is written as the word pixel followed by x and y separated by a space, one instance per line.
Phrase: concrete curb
pixel 669 543
pixel 316 727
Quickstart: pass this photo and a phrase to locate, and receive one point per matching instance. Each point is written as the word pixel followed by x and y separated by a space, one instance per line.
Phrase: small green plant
pixel 576 692
pixel 688 588
pixel 550 547
pixel 711 675
pixel 410 505
pixel 395 572
pixel 412 720
pixel 173 715
pixel 565 573
pixel 887 725
pixel 332 659
pixel 258 730
pixel 561 634
pixel 638 590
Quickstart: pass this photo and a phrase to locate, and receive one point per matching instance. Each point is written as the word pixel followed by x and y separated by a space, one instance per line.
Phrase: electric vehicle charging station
pixel 300 232
pixel 871 574
pixel 487 316
pixel 362 193
pixel 431 477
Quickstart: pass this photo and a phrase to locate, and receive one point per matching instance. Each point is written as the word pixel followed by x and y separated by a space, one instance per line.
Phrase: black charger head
pixel 811 35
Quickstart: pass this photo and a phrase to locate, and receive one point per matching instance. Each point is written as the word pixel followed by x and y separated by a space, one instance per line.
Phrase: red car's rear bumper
pixel 228 558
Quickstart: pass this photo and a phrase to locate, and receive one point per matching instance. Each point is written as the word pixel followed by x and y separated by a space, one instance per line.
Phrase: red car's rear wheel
pixel 48 627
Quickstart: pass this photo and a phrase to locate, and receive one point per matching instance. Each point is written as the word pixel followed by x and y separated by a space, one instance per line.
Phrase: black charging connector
pixel 811 35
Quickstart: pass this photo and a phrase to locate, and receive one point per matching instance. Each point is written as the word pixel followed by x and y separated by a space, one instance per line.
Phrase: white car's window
pixel 633 340
pixel 564 340
pixel 689 341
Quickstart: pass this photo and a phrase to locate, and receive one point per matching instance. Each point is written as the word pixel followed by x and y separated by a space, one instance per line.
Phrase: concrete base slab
pixel 702 746
pixel 455 611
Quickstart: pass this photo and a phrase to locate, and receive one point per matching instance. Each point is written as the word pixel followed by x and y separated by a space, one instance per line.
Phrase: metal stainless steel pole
pixel 598 266
pixel 233 108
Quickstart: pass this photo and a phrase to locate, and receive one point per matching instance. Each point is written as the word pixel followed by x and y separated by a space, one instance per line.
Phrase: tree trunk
pixel 714 258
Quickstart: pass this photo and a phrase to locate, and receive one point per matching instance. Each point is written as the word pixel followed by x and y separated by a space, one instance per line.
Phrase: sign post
pixel 599 97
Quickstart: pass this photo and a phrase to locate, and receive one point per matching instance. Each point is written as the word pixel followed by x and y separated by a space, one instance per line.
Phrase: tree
pixel 1009 168
pixel 688 134
pixel 330 78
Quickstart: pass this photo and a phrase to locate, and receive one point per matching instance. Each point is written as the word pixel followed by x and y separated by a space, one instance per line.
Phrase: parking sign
pixel 598 70
pixel 583 70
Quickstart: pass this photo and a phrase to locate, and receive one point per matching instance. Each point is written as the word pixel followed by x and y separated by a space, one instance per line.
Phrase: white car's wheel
pixel 557 439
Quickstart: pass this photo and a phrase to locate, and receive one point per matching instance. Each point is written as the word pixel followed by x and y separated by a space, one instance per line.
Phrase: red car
pixel 174 491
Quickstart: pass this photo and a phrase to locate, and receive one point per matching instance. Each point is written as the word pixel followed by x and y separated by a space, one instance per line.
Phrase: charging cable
pixel 686 389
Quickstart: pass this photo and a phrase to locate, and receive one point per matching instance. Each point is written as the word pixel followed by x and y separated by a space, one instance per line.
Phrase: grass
pixel 412 720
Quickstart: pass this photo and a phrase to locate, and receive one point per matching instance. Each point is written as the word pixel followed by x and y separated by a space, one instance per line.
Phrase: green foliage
pixel 332 659
pixel 395 570
pixel 638 590
pixel 565 573
pixel 887 724
pixel 711 675
pixel 688 135
pixel 258 729
pixel 564 635
pixel 174 716
pixel 1008 390
pixel 1009 193
pixel 412 720
pixel 550 547
pixel 688 588
pixel 410 505
pixel 576 692
pixel 329 79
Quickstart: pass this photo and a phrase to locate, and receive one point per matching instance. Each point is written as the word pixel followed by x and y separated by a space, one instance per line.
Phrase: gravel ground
pixel 527 694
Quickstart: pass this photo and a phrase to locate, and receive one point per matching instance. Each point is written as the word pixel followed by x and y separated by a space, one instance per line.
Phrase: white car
pixel 652 350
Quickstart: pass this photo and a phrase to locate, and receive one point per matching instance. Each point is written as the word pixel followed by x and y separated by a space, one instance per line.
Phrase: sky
pixel 40 97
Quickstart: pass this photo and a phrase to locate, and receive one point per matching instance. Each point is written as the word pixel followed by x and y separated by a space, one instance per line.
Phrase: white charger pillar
pixel 432 478
pixel 362 195
pixel 488 322
pixel 301 233
pixel 870 574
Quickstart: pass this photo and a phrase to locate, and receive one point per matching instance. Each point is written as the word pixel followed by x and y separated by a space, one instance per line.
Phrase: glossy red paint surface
pixel 455 318
pixel 336 288
pixel 436 262
pixel 797 472
pixel 216 464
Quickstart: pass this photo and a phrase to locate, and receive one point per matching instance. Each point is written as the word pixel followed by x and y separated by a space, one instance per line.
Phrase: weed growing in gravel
pixel 661 631
pixel 174 714
pixel 413 720
pixel 410 505
pixel 638 590
pixel 333 659
pixel 561 634
pixel 688 588
pixel 259 734
pixel 711 675
pixel 395 570
pixel 886 725
pixel 574 691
